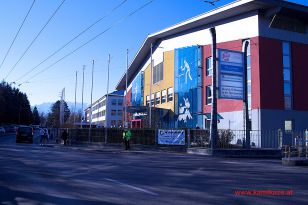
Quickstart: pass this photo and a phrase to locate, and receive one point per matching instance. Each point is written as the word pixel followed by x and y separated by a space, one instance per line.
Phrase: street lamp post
pixel 151 81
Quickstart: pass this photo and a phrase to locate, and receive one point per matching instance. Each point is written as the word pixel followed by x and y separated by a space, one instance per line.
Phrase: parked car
pixel 2 130
pixel 24 134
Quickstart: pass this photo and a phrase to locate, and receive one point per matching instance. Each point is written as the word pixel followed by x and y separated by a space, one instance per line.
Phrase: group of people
pixel 126 137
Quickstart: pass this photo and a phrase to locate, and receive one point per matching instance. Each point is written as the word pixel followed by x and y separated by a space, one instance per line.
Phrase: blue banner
pixel 137 87
pixel 186 86
pixel 171 137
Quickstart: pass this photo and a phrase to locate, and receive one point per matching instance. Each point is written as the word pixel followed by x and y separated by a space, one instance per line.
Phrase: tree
pixel 43 119
pixel 36 116
pixel 14 105
pixel 53 119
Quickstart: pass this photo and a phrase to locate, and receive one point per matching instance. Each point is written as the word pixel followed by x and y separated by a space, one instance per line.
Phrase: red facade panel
pixel 300 73
pixel 271 74
pixel 255 73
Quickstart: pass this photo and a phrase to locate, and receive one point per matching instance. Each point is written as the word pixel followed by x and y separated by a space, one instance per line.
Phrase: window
pixel 120 112
pixel 113 112
pixel 120 102
pixel 104 103
pixel 148 100
pixel 208 124
pixel 152 99
pixel 113 123
pixel 288 125
pixel 288 23
pixel 120 123
pixel 157 98
pixel 113 101
pixel 103 112
pixel 158 72
pixel 209 96
pixel 287 75
pixel 163 96
pixel 170 94
pixel 209 66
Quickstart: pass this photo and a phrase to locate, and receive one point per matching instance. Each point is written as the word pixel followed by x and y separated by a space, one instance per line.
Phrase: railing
pixel 227 139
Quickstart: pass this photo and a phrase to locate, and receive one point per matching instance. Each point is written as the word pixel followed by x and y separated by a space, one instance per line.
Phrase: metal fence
pixel 227 139
pixel 236 139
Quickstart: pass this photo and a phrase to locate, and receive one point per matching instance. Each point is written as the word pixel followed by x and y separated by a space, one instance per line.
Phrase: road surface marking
pixel 130 186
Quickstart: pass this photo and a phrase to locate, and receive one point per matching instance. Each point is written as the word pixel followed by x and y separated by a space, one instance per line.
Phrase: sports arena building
pixel 180 91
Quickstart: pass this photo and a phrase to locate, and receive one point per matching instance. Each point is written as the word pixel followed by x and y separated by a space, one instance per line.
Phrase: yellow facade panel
pixel 167 82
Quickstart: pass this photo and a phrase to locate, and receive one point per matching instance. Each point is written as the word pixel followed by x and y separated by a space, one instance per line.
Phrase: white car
pixel 2 130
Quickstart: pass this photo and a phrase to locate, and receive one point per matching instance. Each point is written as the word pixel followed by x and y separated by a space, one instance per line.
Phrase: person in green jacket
pixel 126 137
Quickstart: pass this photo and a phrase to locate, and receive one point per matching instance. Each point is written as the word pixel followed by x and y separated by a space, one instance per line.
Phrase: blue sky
pixel 70 20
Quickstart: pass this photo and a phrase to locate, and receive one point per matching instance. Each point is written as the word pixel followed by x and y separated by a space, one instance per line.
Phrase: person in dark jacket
pixel 64 137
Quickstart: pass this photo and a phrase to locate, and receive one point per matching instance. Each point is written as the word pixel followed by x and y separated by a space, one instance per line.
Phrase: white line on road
pixel 130 186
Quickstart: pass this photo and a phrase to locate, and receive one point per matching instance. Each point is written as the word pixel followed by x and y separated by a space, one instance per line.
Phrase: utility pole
pixel 214 102
pixel 91 102
pixel 82 95
pixel 75 99
pixel 125 99
pixel 151 81
pixel 107 99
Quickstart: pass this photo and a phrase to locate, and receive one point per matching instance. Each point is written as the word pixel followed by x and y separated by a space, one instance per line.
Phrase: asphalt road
pixel 31 174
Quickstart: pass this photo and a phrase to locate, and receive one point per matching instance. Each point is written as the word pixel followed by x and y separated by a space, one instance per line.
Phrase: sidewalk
pixel 119 148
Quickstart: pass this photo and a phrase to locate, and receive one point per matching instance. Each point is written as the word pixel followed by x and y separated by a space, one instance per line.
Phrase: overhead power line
pixel 24 20
pixel 92 39
pixel 39 33
pixel 82 32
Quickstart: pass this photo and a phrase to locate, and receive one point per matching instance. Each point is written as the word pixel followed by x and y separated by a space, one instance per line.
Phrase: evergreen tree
pixel 14 105
pixel 53 118
pixel 36 116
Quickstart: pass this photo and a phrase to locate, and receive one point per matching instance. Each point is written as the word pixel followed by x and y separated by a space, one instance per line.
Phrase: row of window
pixel 116 123
pixel 103 113
pixel 160 97
pixel 113 102
pixel 158 73
pixel 115 112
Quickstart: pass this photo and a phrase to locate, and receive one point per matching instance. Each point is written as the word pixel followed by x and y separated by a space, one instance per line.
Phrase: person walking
pixel 126 137
pixel 64 137
pixel 42 133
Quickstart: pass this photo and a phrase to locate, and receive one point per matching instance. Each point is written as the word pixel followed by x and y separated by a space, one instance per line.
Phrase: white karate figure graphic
pixel 187 73
pixel 184 112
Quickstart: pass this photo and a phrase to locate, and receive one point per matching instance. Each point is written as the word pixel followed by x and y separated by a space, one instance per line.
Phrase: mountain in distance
pixel 45 107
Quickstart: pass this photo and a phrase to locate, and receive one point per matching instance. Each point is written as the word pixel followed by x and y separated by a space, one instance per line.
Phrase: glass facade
pixel 287 75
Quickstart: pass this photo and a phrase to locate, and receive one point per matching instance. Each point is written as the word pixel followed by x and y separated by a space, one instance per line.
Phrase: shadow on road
pixel 8 196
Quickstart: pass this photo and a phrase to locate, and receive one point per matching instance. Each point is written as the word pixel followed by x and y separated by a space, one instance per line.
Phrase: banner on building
pixel 186 91
pixel 230 74
pixel 171 137
pixel 137 90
